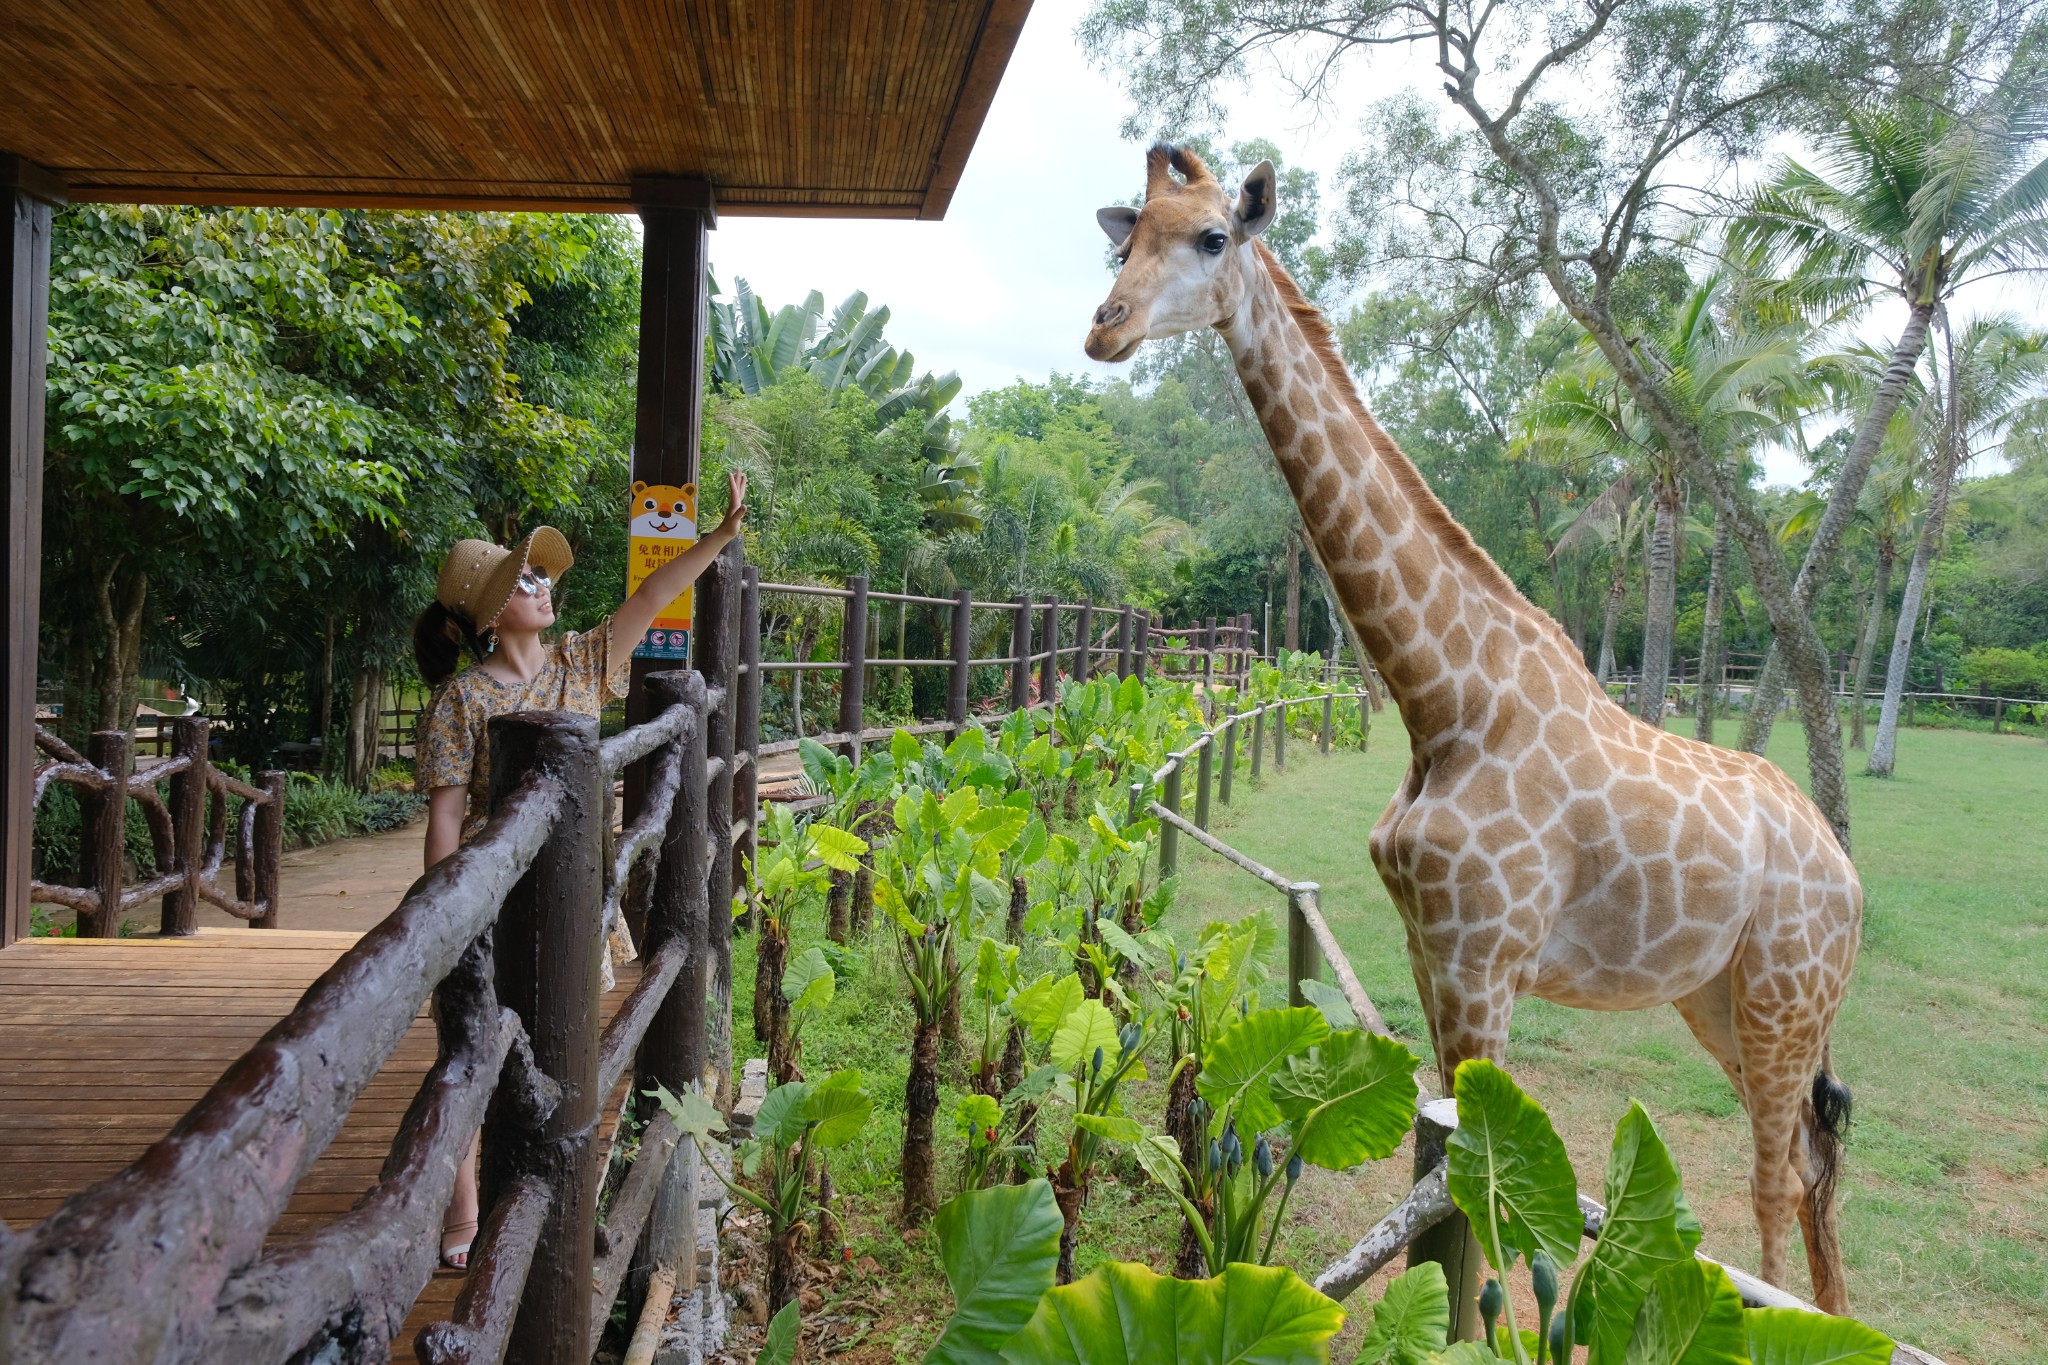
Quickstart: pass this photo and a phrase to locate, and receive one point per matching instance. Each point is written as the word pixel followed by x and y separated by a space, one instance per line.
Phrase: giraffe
pixel 1544 842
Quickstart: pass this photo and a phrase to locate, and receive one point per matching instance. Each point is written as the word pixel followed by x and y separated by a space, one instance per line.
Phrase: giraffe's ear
pixel 1258 202
pixel 1116 222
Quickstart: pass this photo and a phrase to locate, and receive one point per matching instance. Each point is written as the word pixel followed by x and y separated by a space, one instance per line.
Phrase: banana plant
pixel 1642 1297
pixel 935 874
pixel 781 876
pixel 1305 1095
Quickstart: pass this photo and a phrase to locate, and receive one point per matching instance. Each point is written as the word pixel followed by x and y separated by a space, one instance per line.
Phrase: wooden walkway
pixel 105 1043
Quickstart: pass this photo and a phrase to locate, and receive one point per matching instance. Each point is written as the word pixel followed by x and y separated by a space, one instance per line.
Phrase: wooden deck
pixel 105 1043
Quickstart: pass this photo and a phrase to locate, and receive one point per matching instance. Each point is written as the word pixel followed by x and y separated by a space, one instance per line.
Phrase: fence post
pixel 1144 642
pixel 715 661
pixel 1258 740
pixel 1049 670
pixel 1209 655
pixel 1084 641
pixel 853 648
pixel 189 740
pixel 1229 753
pixel 746 792
pixel 1329 707
pixel 1304 959
pixel 1205 766
pixel 1169 833
pixel 1450 1243
pixel 268 883
pixel 1124 661
pixel 548 940
pixel 1280 738
pixel 1020 654
pixel 1364 719
pixel 672 1054
pixel 963 655
pixel 103 833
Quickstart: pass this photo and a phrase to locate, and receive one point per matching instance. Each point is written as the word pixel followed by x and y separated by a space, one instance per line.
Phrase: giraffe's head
pixel 1184 256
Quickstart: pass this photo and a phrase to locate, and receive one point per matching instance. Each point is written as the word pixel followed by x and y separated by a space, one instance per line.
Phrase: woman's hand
pixel 735 501
pixel 632 619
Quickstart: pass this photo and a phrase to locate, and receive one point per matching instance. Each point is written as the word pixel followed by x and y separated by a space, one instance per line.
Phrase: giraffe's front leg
pixel 1468 997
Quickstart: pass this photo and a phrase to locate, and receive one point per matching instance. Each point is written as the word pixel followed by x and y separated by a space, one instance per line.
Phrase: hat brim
pixel 545 549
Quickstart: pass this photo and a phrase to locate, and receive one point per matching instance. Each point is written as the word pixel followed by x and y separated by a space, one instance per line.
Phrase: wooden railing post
pixel 963 654
pixel 1450 1243
pixel 853 648
pixel 548 940
pixel 1209 654
pixel 1049 669
pixel 673 1054
pixel 1084 640
pixel 1144 641
pixel 1169 833
pixel 189 740
pixel 103 833
pixel 1020 654
pixel 267 883
pixel 1364 717
pixel 1258 740
pixel 1205 767
pixel 1329 716
pixel 1280 738
pixel 1304 959
pixel 1229 754
pixel 715 661
pixel 1124 659
pixel 746 788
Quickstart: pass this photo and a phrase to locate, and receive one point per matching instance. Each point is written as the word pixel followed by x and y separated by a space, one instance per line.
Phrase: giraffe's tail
pixel 1827 1125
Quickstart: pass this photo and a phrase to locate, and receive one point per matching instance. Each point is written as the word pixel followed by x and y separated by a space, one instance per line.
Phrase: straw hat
pixel 477 577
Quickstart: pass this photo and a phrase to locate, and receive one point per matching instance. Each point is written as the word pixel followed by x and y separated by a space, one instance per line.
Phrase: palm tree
pixel 1913 199
pixel 1992 369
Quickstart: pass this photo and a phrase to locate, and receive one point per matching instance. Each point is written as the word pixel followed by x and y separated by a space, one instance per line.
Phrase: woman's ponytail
pixel 438 638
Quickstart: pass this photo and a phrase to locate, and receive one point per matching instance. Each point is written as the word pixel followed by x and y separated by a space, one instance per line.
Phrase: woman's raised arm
pixel 662 586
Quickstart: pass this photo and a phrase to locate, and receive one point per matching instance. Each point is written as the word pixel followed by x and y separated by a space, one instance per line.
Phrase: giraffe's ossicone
pixel 1544 842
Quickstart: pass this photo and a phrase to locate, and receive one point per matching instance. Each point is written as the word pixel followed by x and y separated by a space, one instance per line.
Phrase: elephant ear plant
pixel 850 788
pixel 783 873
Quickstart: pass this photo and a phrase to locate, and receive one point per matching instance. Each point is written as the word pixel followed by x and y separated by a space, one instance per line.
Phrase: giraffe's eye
pixel 1213 242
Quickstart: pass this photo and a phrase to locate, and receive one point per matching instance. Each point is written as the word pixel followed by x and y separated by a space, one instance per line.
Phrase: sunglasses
pixel 532 583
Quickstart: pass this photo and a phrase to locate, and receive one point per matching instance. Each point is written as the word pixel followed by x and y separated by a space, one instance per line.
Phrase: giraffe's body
pixel 1544 842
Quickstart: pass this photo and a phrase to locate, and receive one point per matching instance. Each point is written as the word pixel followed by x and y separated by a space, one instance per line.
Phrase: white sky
pixel 1003 288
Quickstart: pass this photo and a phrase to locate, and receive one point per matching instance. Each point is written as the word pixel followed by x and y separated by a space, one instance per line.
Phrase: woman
pixel 494 603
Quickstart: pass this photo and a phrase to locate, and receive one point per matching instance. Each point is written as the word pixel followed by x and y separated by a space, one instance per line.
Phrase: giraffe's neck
pixel 1430 608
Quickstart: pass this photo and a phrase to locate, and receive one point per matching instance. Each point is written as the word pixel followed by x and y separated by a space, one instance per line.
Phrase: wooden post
pixel 1205 767
pixel 1209 654
pixel 28 196
pixel 853 648
pixel 672 1054
pixel 1280 737
pixel 1144 641
pixel 189 740
pixel 1364 716
pixel 718 602
pixel 268 882
pixel 1329 716
pixel 1258 740
pixel 103 832
pixel 1169 833
pixel 1049 668
pixel 963 655
pixel 746 789
pixel 549 938
pixel 1229 754
pixel 1124 659
pixel 1450 1243
pixel 677 214
pixel 1020 654
pixel 1304 960
pixel 1084 640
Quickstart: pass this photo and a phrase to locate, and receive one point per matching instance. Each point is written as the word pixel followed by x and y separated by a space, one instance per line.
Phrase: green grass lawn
pixel 1944 1038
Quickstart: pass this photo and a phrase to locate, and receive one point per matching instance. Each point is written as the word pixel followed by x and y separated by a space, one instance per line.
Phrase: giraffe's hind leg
pixel 1710 1013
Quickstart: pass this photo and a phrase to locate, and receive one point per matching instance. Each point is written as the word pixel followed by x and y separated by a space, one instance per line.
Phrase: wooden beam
pixel 1001 25
pixel 30 194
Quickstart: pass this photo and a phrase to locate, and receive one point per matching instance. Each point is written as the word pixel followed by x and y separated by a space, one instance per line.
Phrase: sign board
pixel 664 525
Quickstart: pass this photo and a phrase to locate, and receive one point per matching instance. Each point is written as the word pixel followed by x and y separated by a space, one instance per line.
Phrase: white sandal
pixel 457 1257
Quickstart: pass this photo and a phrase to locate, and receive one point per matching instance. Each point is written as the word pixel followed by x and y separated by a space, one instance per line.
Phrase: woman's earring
pixel 490 643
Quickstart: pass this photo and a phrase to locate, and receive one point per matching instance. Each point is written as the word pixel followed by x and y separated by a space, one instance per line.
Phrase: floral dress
pixel 581 673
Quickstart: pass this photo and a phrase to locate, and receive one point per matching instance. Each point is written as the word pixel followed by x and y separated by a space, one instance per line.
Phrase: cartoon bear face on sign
pixel 662 511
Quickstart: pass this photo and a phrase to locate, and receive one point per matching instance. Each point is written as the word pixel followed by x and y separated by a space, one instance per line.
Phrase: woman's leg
pixel 458 1227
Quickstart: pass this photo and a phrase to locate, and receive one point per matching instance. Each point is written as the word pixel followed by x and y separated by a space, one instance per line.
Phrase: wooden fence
pixel 187 844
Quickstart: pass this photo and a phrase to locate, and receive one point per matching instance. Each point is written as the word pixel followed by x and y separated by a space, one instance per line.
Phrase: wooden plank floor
pixel 105 1043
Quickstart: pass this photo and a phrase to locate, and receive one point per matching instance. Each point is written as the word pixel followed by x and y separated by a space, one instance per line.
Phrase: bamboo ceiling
pixel 847 108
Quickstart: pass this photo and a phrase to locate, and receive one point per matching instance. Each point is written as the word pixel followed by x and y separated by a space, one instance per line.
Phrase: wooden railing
pixel 1426 1223
pixel 187 844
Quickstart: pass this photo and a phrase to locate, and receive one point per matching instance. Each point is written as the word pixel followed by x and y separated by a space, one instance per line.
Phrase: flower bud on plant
pixel 1128 1037
pixel 1543 1281
pixel 1262 1159
pixel 1294 1168
pixel 1095 1067
pixel 1215 1155
pixel 1491 1299
pixel 1561 1338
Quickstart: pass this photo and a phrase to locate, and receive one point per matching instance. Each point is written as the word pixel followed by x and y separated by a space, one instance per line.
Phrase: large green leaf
pixel 836 848
pixel 1412 1320
pixel 1648 1227
pixel 780 1119
pixel 1088 1026
pixel 1351 1099
pixel 1114 1127
pixel 1692 1316
pixel 1124 1314
pixel 808 981
pixel 778 1347
pixel 1331 1001
pixel 1792 1336
pixel 839 1105
pixel 1240 1063
pixel 1508 1171
pixel 976 1113
pixel 697 1117
pixel 1001 1251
